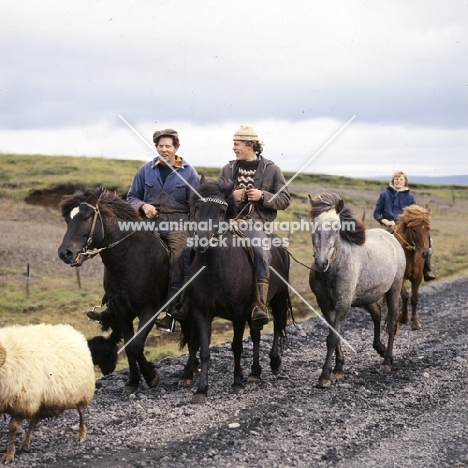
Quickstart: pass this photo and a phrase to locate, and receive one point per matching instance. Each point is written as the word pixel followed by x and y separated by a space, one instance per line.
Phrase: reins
pixel 236 231
pixel 297 261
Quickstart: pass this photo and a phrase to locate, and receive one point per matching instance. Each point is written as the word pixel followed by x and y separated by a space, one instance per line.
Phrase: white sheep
pixel 44 369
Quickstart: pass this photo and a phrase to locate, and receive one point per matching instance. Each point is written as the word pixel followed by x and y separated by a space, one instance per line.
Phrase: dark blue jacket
pixel 391 203
pixel 171 198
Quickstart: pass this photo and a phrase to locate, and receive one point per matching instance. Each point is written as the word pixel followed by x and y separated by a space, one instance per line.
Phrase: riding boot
pixel 178 309
pixel 260 310
pixel 98 316
pixel 428 275
pixel 167 322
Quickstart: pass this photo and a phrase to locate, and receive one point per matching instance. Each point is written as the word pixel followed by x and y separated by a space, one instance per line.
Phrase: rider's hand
pixel 253 195
pixel 239 195
pixel 386 222
pixel 149 210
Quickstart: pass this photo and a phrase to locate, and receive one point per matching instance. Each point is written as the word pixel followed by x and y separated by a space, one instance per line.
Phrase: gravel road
pixel 415 417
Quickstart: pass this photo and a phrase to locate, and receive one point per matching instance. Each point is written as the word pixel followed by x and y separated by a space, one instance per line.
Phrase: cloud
pixel 68 69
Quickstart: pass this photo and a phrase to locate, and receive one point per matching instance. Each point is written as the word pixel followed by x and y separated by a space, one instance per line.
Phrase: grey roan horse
pixel 352 268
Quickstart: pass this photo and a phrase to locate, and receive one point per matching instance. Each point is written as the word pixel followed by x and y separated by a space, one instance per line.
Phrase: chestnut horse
pixel 413 233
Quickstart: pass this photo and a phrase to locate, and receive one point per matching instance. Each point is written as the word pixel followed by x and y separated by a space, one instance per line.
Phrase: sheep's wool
pixel 47 369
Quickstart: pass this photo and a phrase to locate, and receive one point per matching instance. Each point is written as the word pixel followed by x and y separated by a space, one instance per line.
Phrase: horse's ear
pixel 339 206
pixel 310 198
pixel 202 179
pixel 226 186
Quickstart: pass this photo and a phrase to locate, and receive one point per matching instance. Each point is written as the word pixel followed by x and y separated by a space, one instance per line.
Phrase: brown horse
pixel 413 233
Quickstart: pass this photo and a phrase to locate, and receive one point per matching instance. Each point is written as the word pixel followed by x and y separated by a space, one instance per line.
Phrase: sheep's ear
pixel 2 355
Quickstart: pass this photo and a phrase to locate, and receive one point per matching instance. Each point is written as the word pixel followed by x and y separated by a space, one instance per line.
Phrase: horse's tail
pixel 186 336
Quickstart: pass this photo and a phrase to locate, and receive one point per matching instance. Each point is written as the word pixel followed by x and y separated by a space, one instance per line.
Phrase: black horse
pixel 226 288
pixel 136 268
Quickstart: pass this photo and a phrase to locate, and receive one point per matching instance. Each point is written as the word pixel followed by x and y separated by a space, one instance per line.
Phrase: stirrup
pixel 95 316
pixel 166 324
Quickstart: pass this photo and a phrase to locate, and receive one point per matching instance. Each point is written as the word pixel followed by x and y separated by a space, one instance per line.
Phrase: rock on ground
pixel 416 416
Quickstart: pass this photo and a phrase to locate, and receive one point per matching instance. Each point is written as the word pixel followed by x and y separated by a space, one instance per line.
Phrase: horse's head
pixel 332 220
pixel 91 217
pixel 84 225
pixel 414 224
pixel 208 214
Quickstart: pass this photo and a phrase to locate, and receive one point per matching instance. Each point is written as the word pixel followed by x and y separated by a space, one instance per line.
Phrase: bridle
pixel 218 201
pixel 330 260
pixel 409 246
pixel 92 252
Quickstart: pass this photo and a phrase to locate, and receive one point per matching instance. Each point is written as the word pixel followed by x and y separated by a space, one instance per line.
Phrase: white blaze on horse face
pixel 324 238
pixel 74 212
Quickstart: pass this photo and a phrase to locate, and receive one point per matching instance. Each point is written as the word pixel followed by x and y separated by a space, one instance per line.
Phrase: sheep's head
pixel 2 355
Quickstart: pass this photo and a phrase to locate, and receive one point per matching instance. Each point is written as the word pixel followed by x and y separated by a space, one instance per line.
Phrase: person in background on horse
pixel 390 206
pixel 160 191
pixel 260 190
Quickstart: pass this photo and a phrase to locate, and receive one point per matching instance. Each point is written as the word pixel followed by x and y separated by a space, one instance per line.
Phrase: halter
pixel 92 252
pixel 411 247
pixel 331 260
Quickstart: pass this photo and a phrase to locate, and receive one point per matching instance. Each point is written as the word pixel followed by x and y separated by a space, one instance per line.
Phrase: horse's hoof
pixel 386 369
pixel 277 369
pixel 252 378
pixel 415 326
pixel 198 399
pixel 276 365
pixel 403 319
pixel 381 350
pixel 185 382
pixel 323 383
pixel 338 375
pixel 130 389
pixel 154 382
pixel 237 390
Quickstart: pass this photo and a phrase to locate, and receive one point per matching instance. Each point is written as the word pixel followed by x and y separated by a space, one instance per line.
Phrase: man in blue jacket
pixel 390 205
pixel 160 191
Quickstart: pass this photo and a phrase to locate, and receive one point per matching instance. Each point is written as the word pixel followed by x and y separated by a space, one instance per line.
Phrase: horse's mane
pixel 414 215
pixel 221 188
pixel 355 231
pixel 110 204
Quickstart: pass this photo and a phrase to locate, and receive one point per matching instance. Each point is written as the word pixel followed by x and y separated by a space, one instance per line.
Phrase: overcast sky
pixel 298 71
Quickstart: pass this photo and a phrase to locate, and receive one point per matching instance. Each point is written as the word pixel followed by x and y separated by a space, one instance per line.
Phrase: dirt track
pixel 414 417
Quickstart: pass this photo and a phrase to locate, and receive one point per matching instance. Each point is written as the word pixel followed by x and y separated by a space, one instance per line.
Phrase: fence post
pixel 28 279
